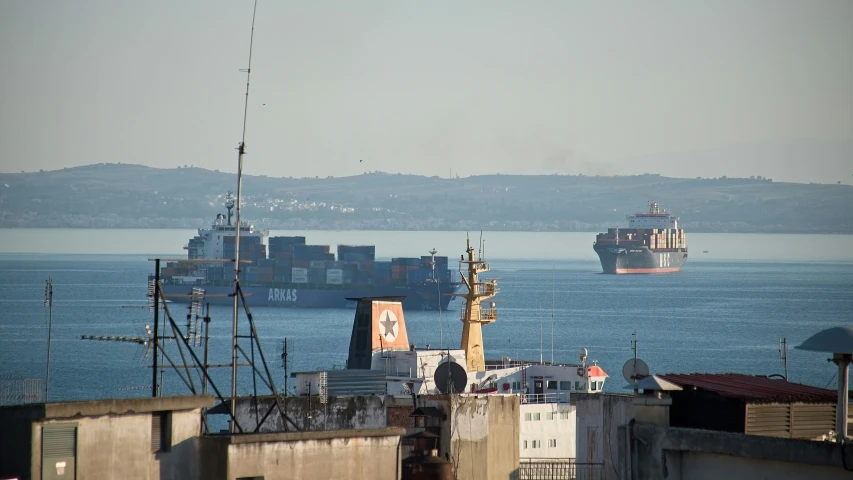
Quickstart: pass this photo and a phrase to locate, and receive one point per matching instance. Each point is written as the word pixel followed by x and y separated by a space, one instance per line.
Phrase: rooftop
pixel 753 388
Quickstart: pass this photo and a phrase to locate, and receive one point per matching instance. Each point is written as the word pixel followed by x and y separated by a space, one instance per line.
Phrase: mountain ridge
pixel 137 196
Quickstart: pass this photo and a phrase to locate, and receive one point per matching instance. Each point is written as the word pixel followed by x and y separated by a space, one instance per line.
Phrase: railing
pixel 556 397
pixel 482 315
pixel 558 469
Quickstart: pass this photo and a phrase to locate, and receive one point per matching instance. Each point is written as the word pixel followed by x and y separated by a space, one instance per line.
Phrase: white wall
pixel 543 430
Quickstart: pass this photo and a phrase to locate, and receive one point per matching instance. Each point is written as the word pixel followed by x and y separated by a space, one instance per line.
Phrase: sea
pixel 726 311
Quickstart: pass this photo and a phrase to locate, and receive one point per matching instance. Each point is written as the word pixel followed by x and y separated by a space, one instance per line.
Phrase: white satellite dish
pixel 635 370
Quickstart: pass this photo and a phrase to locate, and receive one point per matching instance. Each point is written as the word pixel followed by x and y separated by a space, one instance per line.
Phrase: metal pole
pixel 241 151
pixel 154 387
pixel 843 361
pixel 206 343
pixel 49 301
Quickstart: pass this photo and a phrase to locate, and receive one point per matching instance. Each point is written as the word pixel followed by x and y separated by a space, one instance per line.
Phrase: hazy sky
pixel 684 88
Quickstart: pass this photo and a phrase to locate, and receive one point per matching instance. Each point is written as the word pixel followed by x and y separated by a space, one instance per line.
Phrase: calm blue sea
pixel 722 313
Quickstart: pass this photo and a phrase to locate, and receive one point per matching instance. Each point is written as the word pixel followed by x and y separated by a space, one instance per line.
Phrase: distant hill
pixel 129 196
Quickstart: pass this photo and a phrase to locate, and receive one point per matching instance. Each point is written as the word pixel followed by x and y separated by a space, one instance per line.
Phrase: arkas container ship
pixel 287 272
pixel 652 243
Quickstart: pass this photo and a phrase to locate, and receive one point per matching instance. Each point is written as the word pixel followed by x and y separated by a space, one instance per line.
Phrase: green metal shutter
pixel 59 440
pixel 161 437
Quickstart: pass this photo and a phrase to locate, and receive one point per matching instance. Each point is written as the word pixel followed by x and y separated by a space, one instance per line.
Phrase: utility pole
pixel 48 303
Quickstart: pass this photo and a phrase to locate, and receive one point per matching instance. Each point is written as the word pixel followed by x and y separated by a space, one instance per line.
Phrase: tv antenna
pixel 438 292
pixel 634 369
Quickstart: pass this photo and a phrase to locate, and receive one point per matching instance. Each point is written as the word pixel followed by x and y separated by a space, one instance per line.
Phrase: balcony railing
pixel 558 469
pixel 483 315
pixel 555 397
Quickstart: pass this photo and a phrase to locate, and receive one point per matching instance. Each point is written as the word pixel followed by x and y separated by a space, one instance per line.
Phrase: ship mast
pixel 474 316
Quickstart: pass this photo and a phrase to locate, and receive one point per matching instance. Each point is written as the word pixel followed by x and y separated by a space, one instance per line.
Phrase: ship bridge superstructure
pixel 210 242
pixel 654 218
pixel 475 315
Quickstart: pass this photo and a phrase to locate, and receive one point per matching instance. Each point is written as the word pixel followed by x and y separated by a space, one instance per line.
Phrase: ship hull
pixel 423 296
pixel 617 259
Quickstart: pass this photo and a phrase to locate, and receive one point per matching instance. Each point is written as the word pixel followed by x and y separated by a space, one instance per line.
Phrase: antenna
pixel 783 355
pixel 634 369
pixel 48 303
pixel 540 333
pixel 438 291
pixel 241 149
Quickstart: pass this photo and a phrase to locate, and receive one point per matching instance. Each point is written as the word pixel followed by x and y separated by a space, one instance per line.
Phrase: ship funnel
pixel 378 326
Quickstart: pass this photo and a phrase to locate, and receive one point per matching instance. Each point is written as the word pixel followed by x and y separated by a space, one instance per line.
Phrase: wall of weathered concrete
pixel 113 437
pixel 480 434
pixel 373 454
pixel 599 418
pixel 690 454
pixel 340 413
pixel 119 446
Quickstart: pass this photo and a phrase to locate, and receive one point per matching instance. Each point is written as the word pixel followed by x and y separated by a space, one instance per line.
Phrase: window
pixel 528 417
pixel 516 385
pixel 552 384
pixel 552 443
pixel 564 415
pixel 549 415
pixel 537 416
pixel 161 431
pixel 579 385
pixel 593 386
pixel 525 444
pixel 536 443
pixel 565 385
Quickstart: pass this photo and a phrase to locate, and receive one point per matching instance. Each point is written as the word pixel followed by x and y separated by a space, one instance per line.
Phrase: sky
pixel 680 88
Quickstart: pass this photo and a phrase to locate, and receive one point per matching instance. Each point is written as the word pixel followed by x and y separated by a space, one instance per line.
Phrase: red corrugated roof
pixel 755 388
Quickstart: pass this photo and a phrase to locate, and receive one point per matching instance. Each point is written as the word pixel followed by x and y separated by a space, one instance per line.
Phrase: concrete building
pixel 323 455
pixel 623 436
pixel 143 438
pixel 479 434
pixel 161 438
pixel 547 431
pixel 671 453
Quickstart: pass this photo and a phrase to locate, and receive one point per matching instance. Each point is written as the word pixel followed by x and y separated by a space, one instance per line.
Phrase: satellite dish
pixel 634 370
pixel 450 377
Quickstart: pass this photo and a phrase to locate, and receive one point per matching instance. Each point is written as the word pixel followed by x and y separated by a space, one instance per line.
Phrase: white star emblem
pixel 389 325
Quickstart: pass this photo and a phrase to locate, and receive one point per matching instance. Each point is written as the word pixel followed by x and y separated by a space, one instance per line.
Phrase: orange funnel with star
pixel 378 326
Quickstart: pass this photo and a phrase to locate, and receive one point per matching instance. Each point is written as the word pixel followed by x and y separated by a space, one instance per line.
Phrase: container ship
pixel 287 272
pixel 652 243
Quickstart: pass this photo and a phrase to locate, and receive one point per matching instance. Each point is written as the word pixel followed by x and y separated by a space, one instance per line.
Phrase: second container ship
pixel 287 272
pixel 652 243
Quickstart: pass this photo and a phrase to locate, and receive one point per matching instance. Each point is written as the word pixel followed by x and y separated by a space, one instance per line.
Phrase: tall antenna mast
pixel 241 150
pixel 48 303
